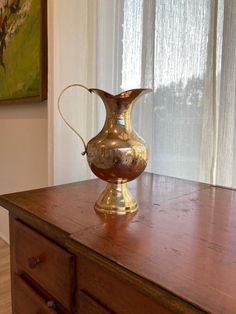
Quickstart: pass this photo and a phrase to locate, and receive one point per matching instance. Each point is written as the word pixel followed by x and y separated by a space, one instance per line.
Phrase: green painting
pixel 20 49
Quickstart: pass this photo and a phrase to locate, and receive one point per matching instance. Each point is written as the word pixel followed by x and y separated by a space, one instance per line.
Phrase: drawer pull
pixel 33 262
pixel 52 305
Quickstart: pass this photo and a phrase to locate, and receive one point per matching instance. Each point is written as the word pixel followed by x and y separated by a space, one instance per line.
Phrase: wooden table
pixel 177 254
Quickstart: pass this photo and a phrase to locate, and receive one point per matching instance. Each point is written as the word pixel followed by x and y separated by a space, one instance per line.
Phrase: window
pixel 175 47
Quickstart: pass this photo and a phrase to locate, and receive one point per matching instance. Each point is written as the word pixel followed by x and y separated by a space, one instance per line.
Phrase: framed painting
pixel 23 50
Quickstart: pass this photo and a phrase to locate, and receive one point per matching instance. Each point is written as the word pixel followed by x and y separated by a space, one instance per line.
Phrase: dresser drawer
pixel 87 305
pixel 27 300
pixel 46 263
pixel 112 292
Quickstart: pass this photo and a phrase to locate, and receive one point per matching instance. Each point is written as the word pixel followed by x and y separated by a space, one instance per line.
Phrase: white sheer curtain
pixel 185 51
pixel 226 143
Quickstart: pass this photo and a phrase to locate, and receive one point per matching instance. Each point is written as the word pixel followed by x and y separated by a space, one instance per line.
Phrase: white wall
pixel 28 150
pixel 79 52
pixel 23 151
pixel 71 60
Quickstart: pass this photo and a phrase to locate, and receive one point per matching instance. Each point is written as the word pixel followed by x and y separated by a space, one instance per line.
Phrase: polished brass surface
pixel 116 199
pixel 117 154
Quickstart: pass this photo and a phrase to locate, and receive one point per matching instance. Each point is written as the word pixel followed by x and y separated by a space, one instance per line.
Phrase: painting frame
pixel 43 63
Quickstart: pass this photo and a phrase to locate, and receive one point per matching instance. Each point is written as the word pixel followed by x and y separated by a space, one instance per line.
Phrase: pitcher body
pixel 117 154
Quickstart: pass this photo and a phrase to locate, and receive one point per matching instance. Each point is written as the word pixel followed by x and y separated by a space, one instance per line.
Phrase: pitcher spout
pixel 132 94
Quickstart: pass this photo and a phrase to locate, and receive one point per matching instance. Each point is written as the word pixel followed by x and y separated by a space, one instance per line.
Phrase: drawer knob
pixel 33 261
pixel 52 305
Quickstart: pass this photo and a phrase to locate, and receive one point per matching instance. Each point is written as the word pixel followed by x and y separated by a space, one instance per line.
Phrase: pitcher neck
pixel 116 119
pixel 119 107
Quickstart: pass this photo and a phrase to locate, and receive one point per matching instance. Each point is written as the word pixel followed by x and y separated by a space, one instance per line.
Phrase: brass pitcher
pixel 117 154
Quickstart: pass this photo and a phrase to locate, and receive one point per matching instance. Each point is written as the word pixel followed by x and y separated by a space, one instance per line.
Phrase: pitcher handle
pixel 63 118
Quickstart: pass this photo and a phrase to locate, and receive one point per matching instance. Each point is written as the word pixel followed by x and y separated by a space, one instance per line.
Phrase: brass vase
pixel 117 154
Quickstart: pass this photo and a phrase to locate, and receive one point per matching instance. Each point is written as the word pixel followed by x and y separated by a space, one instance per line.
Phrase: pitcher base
pixel 116 199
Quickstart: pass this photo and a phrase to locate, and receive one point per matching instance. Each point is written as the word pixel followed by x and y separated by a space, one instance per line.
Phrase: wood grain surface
pixel 183 237
pixel 187 246
pixel 69 208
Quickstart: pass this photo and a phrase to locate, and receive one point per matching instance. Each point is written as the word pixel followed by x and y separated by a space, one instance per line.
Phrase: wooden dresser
pixel 177 254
